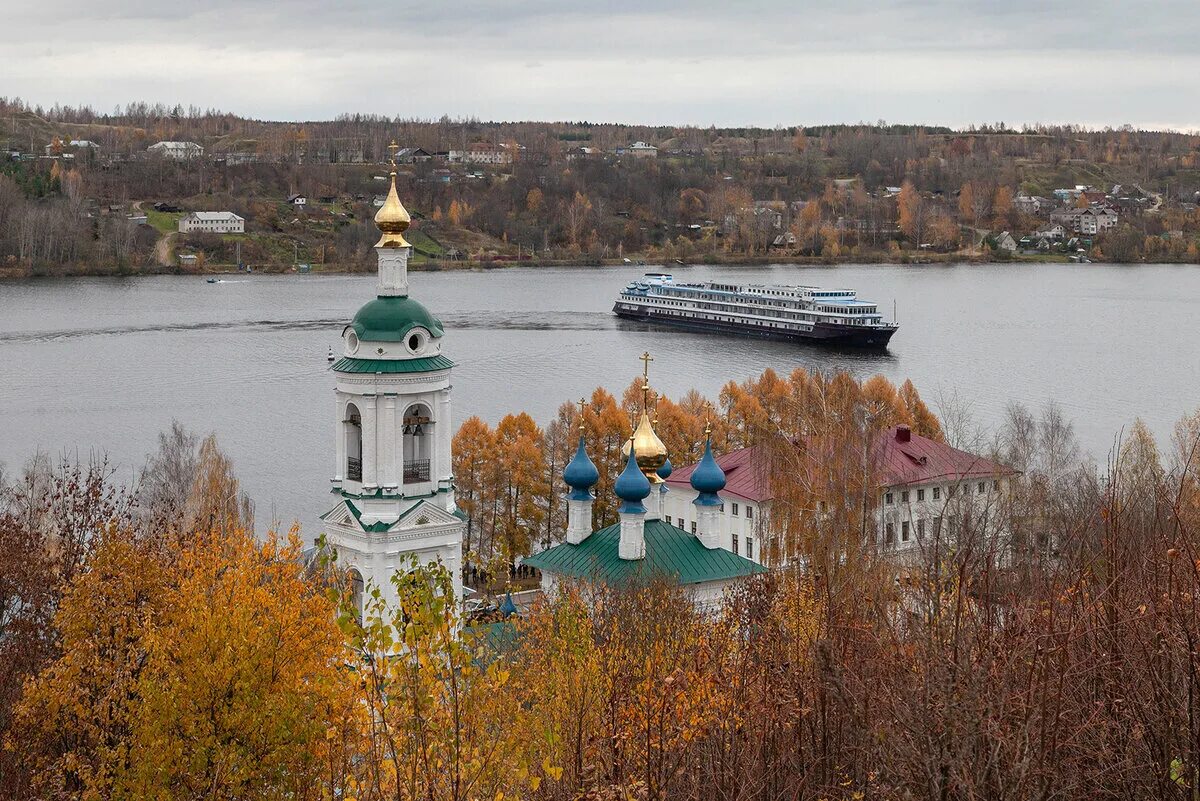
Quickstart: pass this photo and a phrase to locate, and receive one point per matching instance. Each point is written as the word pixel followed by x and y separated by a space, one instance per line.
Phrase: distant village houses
pixel 212 222
pixel 58 147
pixel 1090 221
pixel 180 151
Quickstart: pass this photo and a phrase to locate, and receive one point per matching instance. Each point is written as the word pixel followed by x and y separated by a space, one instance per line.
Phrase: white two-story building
pixel 212 222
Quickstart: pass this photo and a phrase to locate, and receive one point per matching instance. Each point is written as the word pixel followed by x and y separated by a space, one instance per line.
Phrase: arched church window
pixel 352 430
pixel 417 443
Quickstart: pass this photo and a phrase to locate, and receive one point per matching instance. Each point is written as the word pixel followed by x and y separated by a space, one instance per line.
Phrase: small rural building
pixel 212 222
pixel 179 151
pixel 640 150
pixel 412 155
pixel 297 200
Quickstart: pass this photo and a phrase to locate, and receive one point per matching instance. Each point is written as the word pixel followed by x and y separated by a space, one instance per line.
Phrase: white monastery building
pixel 180 151
pixel 392 473
pixel 926 487
pixel 212 222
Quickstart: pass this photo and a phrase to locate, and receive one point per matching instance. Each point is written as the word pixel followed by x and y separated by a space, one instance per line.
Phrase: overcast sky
pixel 952 62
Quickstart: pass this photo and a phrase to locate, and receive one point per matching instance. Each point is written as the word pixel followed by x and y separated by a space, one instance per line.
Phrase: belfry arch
pixel 352 432
pixel 417 442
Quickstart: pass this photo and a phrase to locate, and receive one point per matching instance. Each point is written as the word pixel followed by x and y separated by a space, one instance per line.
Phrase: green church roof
pixel 389 319
pixel 670 551
pixel 425 365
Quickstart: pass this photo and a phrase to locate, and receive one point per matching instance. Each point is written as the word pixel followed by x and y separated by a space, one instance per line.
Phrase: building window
pixel 889 534
pixel 749 512
pixel 996 486
pixel 735 509
pixel 937 493
pixel 904 531
pixel 749 548
pixel 982 487
pixel 920 530
pixel 693 526
pixel 681 523
pixel 888 498
pixel 920 495
pixel 667 518
pixel 735 543
pixel 904 497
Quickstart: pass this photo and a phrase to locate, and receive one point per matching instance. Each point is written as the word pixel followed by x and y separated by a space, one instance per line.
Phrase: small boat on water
pixel 835 317
pixel 214 280
pixel 330 357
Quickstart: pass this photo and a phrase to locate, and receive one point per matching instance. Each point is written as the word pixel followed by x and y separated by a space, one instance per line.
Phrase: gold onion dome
pixel 650 452
pixel 392 220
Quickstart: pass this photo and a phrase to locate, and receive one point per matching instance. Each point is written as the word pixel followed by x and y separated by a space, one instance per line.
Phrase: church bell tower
pixel 392 472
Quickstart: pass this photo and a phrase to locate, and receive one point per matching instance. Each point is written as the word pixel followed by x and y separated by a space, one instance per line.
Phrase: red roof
pixel 743 475
pixel 900 456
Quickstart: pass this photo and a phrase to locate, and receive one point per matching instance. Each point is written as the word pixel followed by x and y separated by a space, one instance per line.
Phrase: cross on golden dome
pixel 645 445
pixel 392 219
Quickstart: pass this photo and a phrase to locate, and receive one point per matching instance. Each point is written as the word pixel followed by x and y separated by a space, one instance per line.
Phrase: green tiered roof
pixel 424 365
pixel 389 319
pixel 670 551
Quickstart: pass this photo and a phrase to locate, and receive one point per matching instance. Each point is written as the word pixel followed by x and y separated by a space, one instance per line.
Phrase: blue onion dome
pixel 581 474
pixel 666 470
pixel 507 607
pixel 708 478
pixel 632 487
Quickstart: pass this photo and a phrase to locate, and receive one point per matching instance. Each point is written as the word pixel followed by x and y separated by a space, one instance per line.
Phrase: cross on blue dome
pixel 708 479
pixel 581 474
pixel 632 487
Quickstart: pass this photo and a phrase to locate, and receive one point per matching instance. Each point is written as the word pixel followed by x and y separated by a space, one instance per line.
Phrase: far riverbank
pixel 428 265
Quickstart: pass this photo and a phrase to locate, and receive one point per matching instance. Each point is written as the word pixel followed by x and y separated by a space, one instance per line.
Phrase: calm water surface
pixel 103 365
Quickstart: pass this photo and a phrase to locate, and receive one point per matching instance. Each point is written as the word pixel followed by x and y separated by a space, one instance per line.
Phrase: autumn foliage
pixel 211 663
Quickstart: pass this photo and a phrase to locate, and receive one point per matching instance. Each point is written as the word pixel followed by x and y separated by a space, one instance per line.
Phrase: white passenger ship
pixel 795 313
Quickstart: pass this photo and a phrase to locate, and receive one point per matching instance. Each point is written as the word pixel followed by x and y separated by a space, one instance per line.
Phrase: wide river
pixel 103 365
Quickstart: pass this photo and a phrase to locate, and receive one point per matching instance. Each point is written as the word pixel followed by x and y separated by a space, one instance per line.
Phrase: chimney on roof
pixel 903 434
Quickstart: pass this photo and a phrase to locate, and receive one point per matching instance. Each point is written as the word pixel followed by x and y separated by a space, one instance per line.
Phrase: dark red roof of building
pixel 900 456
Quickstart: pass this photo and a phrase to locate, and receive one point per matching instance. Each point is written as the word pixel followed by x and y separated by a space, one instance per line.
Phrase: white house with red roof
pixel 925 485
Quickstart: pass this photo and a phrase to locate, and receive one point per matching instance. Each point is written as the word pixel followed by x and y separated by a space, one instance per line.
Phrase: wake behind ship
pixel 834 317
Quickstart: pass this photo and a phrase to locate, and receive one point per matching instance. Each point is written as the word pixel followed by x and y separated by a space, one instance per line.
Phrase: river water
pixel 103 365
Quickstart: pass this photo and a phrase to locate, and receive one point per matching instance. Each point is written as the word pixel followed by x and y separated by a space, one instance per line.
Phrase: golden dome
pixel 392 220
pixel 650 452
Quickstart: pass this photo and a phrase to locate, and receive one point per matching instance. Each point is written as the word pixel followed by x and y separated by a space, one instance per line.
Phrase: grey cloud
pixel 755 62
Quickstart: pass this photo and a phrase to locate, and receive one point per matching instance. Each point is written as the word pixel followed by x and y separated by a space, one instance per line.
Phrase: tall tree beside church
pixel 473 446
pixel 520 458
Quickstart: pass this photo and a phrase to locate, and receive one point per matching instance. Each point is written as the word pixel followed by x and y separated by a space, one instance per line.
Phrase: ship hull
pixel 825 334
